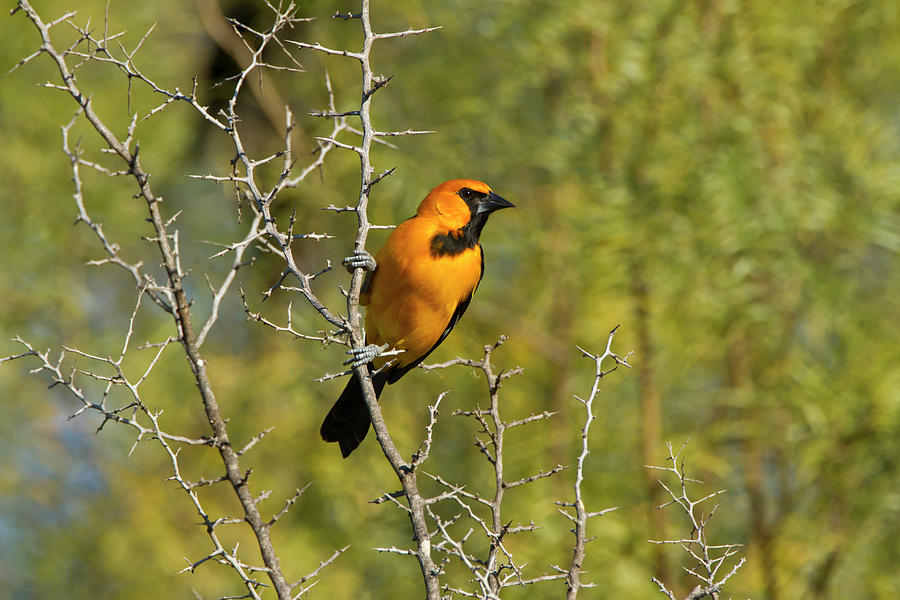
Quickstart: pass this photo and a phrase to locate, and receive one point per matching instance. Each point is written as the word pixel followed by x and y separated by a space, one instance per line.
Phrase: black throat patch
pixel 457 242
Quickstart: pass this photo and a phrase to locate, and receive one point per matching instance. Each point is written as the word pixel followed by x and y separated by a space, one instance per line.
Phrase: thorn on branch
pixel 408 32
pixel 287 505
pixel 377 84
pixel 328 114
pixel 388 497
pixel 379 178
pixel 254 440
pixel 318 569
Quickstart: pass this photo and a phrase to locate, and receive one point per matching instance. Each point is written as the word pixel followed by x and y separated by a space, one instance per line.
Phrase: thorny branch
pixel 709 558
pixel 262 230
pixel 172 296
pixel 498 569
pixel 581 516
pixel 491 572
pixel 404 469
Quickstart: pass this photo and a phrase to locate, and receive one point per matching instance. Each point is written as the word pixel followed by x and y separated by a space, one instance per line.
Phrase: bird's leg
pixel 360 258
pixel 364 355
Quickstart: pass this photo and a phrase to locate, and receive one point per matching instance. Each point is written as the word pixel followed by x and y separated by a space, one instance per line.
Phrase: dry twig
pixel 171 296
pixel 709 558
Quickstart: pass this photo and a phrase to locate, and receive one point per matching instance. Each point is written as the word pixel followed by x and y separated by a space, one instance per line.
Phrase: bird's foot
pixel 364 355
pixel 360 259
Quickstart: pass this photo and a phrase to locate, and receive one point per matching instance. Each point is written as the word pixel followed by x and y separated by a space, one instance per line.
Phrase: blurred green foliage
pixel 721 177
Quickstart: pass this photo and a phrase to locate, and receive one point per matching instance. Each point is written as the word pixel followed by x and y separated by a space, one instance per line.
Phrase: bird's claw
pixel 364 355
pixel 359 259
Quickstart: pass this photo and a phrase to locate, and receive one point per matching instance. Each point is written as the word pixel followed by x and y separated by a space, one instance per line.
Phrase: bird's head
pixel 462 204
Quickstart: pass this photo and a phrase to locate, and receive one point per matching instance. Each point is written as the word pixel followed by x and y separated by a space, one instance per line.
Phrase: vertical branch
pixel 495 429
pixel 581 516
pixel 497 526
pixel 404 469
pixel 709 558
pixel 497 568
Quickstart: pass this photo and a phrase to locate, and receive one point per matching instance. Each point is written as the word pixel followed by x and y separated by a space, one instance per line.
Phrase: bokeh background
pixel 721 177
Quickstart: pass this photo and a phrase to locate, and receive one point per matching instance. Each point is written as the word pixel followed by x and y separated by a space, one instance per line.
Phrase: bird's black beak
pixel 491 203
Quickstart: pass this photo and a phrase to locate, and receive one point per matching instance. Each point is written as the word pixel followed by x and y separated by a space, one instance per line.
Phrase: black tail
pixel 348 420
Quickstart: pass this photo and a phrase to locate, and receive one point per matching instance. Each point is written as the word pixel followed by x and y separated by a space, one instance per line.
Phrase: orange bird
pixel 418 286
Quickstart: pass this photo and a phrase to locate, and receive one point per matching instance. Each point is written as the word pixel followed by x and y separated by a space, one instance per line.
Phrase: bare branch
pixel 287 506
pixel 172 296
pixel 581 516
pixel 709 557
pixel 318 569
pixel 384 36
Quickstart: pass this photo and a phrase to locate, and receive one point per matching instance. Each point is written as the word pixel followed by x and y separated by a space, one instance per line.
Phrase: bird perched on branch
pixel 417 287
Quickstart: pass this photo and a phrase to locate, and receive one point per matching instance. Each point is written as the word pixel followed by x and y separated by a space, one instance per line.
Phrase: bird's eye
pixel 466 194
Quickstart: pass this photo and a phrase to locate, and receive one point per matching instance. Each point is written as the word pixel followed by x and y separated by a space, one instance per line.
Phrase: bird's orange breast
pixel 414 292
